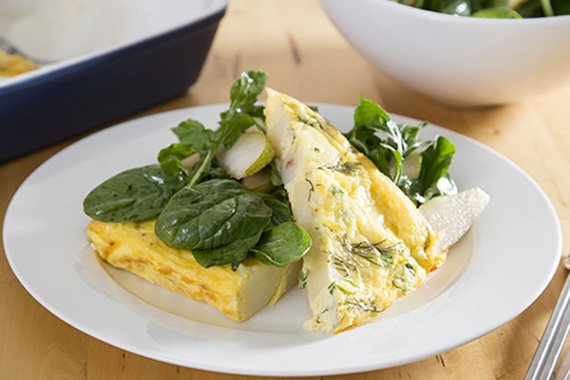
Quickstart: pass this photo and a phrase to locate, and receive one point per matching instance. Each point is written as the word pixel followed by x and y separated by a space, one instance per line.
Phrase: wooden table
pixel 306 57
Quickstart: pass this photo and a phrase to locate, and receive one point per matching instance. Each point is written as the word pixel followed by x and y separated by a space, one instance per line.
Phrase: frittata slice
pixel 370 243
pixel 238 294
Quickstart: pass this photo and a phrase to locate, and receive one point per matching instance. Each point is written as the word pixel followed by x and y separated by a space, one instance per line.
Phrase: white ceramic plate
pixel 492 275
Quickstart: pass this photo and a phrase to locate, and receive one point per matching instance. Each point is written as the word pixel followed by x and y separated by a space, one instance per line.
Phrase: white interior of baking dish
pixel 68 31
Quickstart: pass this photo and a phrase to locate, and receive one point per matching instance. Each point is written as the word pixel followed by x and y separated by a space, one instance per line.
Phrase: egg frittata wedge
pixel 370 243
pixel 238 294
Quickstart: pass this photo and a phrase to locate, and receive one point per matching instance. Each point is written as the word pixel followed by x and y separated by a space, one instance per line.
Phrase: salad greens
pixel 419 168
pixel 196 205
pixel 134 195
pixel 494 8
pixel 273 247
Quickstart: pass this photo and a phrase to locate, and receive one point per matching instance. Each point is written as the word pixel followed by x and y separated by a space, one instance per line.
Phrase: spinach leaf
pixel 211 215
pixel 281 212
pixel 233 253
pixel 282 245
pixel 132 196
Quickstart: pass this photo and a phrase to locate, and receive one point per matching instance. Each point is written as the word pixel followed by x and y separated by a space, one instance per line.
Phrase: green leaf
pixel 283 244
pixel 497 12
pixel 133 195
pixel 530 8
pixel 436 161
pixel 234 127
pixel 458 8
pixel 233 253
pixel 170 158
pixel 236 119
pixel 192 132
pixel 281 212
pixel 452 7
pixel 275 175
pixel 211 215
pixel 370 114
pixel 560 7
pixel 244 92
pixel 215 171
pixel 388 144
pixel 194 138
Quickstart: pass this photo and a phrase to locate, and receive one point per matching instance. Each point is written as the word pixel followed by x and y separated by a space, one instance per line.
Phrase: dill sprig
pixel 347 167
pixel 343 265
pixel 377 254
pixel 365 305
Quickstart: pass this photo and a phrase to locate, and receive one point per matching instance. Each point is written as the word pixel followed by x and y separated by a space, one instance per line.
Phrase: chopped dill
pixel 318 320
pixel 332 287
pixel 347 167
pixel 365 305
pixel 377 254
pixel 336 191
pixel 311 190
pixel 345 266
pixel 303 275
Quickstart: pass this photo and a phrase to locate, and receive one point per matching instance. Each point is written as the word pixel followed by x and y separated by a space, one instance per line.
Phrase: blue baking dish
pixel 80 93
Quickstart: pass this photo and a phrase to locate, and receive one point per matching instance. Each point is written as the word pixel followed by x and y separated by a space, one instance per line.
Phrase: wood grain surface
pixel 307 58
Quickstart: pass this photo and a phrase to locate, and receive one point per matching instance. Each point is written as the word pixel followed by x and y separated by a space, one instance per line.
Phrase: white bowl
pixel 458 60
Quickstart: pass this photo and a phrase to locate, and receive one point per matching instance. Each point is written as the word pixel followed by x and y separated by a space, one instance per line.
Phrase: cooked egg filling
pixel 370 243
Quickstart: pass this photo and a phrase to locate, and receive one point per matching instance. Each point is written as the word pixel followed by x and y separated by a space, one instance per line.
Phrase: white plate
pixel 492 275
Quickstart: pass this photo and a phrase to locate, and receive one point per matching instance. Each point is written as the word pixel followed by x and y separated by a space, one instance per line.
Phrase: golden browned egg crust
pixel 238 294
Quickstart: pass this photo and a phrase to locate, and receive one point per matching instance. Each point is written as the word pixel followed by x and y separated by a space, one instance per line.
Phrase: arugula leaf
pixel 192 132
pixel 233 122
pixel 170 159
pixel 211 215
pixel 388 145
pixel 282 245
pixel 133 195
pixel 194 138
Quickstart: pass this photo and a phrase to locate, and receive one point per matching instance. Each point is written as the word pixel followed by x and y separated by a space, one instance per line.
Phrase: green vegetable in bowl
pixel 497 12
pixel 502 9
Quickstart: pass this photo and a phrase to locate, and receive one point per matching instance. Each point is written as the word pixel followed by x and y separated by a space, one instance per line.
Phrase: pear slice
pixel 452 215
pixel 247 156
pixel 260 181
